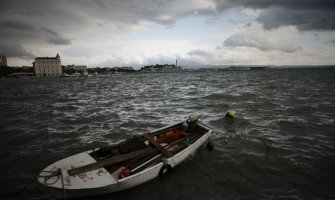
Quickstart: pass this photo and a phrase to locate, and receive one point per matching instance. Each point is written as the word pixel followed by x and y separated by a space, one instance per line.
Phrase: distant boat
pixel 71 75
pixel 77 74
pixel 126 164
pixel 84 74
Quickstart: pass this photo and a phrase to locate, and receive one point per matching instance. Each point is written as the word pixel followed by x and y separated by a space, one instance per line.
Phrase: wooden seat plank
pixel 109 161
pixel 152 141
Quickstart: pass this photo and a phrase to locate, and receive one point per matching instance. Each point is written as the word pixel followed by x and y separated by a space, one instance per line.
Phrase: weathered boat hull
pixel 99 181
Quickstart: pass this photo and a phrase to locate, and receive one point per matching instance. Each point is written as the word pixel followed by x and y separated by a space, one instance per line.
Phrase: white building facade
pixel 47 66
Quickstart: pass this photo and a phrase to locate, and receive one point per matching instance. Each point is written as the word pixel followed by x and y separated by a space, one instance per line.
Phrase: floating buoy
pixel 230 114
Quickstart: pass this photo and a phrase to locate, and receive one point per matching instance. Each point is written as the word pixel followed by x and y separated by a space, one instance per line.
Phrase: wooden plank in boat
pixel 109 161
pixel 157 146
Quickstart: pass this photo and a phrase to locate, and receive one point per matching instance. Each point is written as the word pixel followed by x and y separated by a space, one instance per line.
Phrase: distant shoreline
pixel 183 70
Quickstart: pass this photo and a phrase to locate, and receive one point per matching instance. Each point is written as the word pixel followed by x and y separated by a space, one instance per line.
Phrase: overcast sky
pixel 109 33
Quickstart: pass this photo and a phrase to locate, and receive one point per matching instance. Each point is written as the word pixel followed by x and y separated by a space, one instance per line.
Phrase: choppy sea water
pixel 281 145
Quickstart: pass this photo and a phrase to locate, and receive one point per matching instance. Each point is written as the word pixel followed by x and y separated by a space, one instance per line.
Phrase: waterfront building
pixel 81 68
pixel 130 69
pixel 3 61
pixel 47 66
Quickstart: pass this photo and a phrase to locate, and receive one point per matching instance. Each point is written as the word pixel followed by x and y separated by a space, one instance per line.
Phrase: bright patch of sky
pixel 196 28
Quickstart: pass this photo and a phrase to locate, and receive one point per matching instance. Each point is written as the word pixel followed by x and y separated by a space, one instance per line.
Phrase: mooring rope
pixel 62 179
pixel 57 173
pixel 47 177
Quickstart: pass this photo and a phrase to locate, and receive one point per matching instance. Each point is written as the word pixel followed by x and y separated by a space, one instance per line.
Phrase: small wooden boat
pixel 126 164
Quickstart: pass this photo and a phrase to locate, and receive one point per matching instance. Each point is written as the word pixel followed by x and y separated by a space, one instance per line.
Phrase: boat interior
pixel 142 151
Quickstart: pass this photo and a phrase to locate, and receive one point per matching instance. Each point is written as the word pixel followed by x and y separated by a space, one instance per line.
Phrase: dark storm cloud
pixel 306 15
pixel 259 42
pixel 17 25
pixel 73 15
pixel 58 40
pixel 70 15
pixel 304 20
pixel 32 21
pixel 49 31
pixel 24 22
pixel 288 4
pixel 15 50
pixel 55 38
pixel 78 13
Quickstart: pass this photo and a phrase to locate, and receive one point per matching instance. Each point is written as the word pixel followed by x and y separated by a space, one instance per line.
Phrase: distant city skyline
pixel 198 32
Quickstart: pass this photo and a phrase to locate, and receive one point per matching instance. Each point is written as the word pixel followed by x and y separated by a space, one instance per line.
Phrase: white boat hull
pixel 100 181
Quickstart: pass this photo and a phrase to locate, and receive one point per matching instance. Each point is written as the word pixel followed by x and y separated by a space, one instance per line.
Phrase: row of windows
pixel 47 60
pixel 41 69
pixel 46 71
pixel 44 63
pixel 47 67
